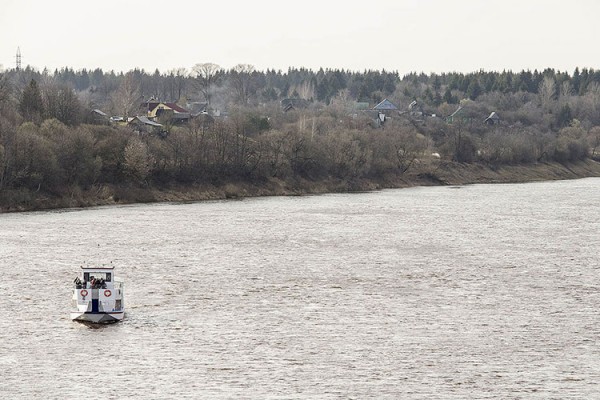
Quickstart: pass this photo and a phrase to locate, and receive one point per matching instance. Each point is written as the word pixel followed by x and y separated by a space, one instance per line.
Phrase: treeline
pixel 323 85
pixel 50 142
pixel 547 100
pixel 206 82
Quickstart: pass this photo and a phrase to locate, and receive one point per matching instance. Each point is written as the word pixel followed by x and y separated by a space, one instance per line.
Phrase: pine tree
pixel 474 90
pixel 31 105
pixel 576 80
pixel 448 96
pixel 564 117
pixel 437 99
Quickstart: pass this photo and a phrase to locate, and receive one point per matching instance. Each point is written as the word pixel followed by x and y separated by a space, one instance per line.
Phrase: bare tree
pixel 305 90
pixel 61 102
pixel 566 90
pixel 138 160
pixel 594 141
pixel 547 92
pixel 241 79
pixel 207 75
pixel 127 96
pixel 9 121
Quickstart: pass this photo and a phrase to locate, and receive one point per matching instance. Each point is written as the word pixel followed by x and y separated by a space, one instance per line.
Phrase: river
pixel 473 292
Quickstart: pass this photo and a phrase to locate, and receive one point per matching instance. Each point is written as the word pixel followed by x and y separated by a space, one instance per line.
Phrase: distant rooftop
pixel 385 105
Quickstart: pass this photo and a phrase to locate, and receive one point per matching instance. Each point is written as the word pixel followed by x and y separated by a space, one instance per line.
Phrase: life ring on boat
pixel 84 293
pixel 107 293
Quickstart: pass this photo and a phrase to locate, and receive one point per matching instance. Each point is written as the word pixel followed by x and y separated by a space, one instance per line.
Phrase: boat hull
pixel 97 317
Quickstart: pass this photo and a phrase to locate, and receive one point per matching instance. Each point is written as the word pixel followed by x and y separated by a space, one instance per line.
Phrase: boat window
pixel 88 276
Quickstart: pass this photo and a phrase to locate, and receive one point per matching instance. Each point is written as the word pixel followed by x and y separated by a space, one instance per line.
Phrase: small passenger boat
pixel 98 296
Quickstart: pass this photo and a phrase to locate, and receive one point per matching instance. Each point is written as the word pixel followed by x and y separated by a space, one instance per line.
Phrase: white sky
pixel 403 35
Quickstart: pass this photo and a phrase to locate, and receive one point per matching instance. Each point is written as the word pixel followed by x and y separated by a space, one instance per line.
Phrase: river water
pixel 475 292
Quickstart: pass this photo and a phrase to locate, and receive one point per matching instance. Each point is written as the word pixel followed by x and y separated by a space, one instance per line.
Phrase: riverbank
pixel 423 174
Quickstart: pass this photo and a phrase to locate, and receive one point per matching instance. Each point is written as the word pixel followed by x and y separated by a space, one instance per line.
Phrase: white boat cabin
pixel 98 295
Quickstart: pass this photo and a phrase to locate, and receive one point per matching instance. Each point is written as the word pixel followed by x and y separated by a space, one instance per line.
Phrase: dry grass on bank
pixel 429 173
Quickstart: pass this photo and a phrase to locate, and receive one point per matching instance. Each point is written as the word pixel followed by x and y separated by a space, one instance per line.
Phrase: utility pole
pixel 18 58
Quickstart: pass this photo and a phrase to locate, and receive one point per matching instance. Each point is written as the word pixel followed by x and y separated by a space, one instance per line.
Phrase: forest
pixel 52 143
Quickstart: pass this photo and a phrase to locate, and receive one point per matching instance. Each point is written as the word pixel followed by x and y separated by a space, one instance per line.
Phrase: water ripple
pixel 485 292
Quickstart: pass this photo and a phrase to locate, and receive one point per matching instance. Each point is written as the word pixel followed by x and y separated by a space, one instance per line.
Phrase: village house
pixel 415 109
pixel 197 108
pixel 99 117
pixel 143 124
pixel 166 112
pixel 493 119
pixel 384 111
pixel 463 115
pixel 293 104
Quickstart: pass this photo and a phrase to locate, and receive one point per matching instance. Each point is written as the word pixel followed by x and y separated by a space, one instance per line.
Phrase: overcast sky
pixel 401 35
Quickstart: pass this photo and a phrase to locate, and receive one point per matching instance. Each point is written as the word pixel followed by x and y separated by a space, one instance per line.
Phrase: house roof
pixel 152 105
pixel 99 112
pixel 181 116
pixel 493 116
pixel 204 117
pixel 458 110
pixel 294 103
pixel 144 120
pixel 467 112
pixel 385 105
pixel 197 107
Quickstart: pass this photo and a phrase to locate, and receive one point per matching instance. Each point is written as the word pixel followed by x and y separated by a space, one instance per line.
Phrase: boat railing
pixel 88 285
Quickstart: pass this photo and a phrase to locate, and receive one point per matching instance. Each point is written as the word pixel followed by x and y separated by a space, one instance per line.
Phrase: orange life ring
pixel 107 293
pixel 84 293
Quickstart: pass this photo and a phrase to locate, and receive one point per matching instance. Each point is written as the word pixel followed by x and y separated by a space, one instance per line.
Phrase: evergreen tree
pixel 525 82
pixel 564 117
pixel 464 82
pixel 389 85
pixel 428 95
pixel 437 85
pixel 584 81
pixel 488 82
pixel 437 98
pixel 31 105
pixel 474 90
pixel 576 80
pixel 448 96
